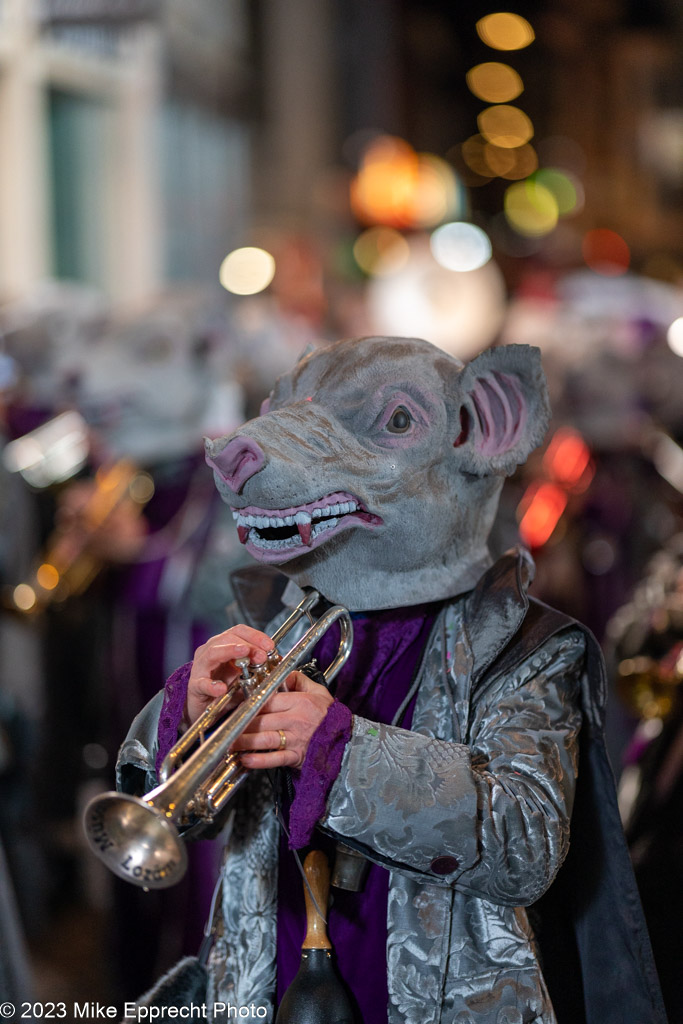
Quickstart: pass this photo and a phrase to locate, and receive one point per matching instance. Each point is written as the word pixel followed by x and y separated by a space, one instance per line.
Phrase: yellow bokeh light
pixel 247 271
pixel 381 251
pixel 505 31
pixel 24 597
pixel 505 126
pixel 47 576
pixel 530 209
pixel 494 82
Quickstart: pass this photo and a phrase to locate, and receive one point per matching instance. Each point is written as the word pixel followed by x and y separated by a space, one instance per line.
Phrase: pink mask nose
pixel 240 459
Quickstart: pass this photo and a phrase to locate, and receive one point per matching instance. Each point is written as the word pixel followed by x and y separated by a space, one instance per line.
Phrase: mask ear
pixel 306 352
pixel 504 409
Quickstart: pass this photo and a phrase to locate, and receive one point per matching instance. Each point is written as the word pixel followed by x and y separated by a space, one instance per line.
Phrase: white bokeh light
pixel 459 312
pixel 247 271
pixel 460 246
pixel 674 336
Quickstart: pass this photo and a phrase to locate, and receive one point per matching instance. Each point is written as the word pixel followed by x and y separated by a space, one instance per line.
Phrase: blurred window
pixel 80 152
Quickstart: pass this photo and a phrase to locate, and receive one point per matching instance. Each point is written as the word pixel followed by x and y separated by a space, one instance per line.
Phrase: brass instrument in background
pixel 647 686
pixel 69 564
pixel 137 837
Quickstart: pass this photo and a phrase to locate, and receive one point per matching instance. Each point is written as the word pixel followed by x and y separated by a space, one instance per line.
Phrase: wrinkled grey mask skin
pixel 374 471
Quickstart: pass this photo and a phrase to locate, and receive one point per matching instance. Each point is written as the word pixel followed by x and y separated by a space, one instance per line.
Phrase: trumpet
pixel 68 566
pixel 138 838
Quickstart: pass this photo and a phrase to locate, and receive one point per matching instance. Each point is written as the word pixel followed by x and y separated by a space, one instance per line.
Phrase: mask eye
pixel 399 421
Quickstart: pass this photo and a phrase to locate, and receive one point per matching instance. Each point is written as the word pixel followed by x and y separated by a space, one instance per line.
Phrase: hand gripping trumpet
pixel 137 837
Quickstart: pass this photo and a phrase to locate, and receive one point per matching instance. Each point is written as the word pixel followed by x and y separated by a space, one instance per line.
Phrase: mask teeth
pixel 303 524
pixel 305 533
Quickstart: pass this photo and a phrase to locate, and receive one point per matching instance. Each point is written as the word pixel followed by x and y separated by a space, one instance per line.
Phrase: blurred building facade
pixel 125 155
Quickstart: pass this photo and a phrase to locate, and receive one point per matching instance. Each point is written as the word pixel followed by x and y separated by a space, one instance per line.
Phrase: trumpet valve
pixel 260 672
pixel 246 679
pixel 244 665
pixel 251 675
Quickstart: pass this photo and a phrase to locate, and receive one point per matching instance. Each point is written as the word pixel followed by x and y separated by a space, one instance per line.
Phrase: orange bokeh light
pixel 399 188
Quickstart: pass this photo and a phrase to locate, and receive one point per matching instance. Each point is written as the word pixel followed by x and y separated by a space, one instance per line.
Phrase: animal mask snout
pixel 241 459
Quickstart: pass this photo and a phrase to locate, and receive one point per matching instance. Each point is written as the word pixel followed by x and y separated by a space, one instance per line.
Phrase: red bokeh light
pixel 606 252
pixel 567 460
pixel 544 504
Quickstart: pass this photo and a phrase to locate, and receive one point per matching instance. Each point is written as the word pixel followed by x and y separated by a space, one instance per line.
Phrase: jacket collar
pixel 497 606
pixel 259 591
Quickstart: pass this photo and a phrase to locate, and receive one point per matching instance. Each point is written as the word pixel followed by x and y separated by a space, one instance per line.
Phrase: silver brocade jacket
pixel 480 788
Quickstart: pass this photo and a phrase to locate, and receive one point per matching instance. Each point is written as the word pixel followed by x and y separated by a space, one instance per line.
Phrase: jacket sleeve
pixel 135 765
pixel 490 817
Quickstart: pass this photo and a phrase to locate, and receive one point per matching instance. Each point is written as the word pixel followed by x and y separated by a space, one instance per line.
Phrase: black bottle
pixel 317 995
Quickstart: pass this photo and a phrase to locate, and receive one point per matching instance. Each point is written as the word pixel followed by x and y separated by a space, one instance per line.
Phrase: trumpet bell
pixel 135 840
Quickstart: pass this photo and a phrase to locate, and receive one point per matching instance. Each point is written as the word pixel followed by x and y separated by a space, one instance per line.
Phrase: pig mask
pixel 374 470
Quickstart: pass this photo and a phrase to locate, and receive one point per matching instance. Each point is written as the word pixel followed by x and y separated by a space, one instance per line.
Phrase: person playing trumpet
pixel 460 747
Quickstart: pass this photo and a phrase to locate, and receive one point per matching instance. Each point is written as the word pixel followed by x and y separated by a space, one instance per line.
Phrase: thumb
pixel 299 682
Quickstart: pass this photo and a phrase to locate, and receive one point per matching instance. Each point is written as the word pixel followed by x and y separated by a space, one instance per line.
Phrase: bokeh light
pixel 606 252
pixel 567 460
pixel 381 251
pixel 494 82
pixel 397 187
pixel 505 31
pixel 460 246
pixel 524 161
pixel 460 312
pixel 674 336
pixel 567 191
pixel 24 597
pixel 473 152
pixel 530 208
pixel 384 185
pixel 488 160
pixel 47 576
pixel 498 160
pixel 505 126
pixel 247 271
pixel 540 509
pixel 436 192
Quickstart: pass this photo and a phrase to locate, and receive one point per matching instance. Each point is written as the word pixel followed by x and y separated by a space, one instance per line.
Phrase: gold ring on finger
pixel 283 739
